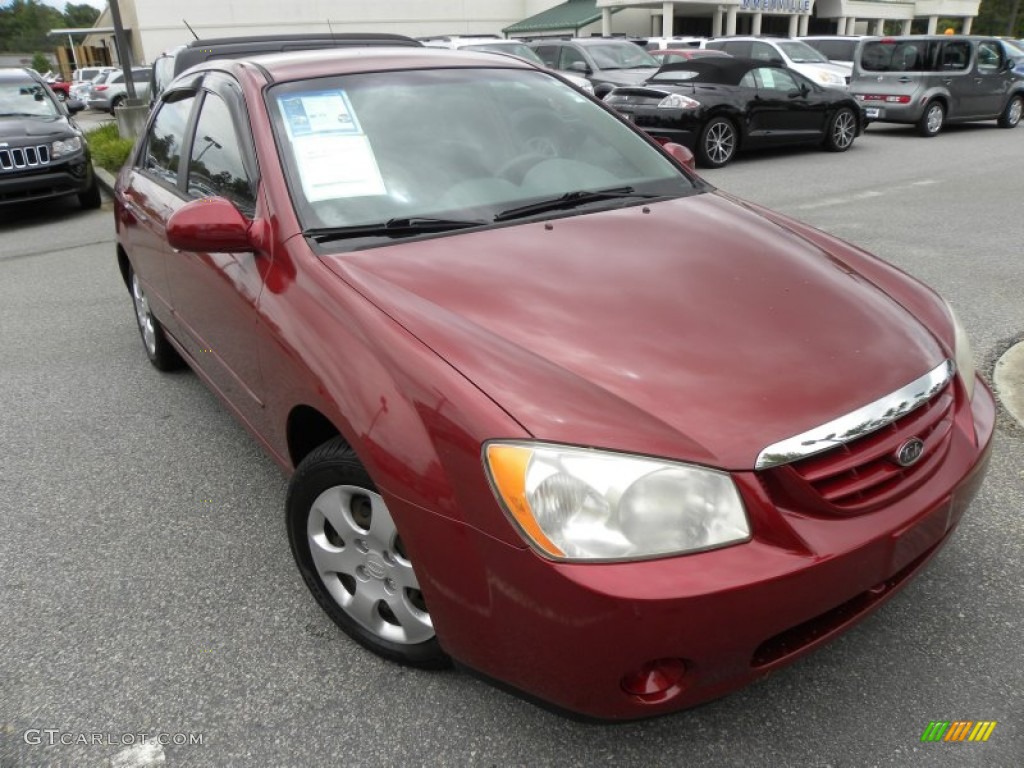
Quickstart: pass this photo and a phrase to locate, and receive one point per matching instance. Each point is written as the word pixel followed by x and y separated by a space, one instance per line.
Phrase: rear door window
pixel 548 54
pixel 899 56
pixel 956 56
pixel 162 155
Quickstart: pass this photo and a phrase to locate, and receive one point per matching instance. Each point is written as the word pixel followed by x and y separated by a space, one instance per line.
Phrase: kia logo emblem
pixel 910 452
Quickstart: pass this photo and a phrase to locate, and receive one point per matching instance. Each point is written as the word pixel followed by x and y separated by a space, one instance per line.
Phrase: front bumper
pixel 568 634
pixel 68 177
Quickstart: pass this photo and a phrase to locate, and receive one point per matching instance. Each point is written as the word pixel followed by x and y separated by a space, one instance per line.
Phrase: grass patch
pixel 109 150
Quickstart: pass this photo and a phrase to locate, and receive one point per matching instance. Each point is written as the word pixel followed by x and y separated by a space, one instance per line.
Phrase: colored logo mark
pixel 958 730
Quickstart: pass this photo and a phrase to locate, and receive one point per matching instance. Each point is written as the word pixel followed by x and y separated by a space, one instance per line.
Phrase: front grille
pixel 863 474
pixel 20 158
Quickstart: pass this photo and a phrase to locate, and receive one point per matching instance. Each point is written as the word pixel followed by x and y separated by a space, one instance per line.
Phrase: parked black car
pixel 169 65
pixel 43 153
pixel 717 106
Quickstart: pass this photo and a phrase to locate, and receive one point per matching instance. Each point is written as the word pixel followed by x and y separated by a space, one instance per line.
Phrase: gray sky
pixel 59 4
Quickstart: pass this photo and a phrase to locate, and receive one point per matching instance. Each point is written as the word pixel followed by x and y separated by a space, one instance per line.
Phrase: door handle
pixel 906 79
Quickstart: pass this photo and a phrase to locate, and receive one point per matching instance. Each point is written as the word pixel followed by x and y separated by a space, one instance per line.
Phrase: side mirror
pixel 680 154
pixel 1008 66
pixel 211 225
pixel 579 66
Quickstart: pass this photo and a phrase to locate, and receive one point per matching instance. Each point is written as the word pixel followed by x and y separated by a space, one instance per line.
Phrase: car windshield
pixel 26 98
pixel 620 55
pixel 460 145
pixel 802 53
pixel 522 50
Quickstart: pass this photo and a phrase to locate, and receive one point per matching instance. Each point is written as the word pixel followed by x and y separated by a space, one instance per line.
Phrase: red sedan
pixel 552 406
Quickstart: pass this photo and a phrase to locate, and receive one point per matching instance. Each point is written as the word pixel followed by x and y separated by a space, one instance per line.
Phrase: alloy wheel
pixel 720 142
pixel 844 130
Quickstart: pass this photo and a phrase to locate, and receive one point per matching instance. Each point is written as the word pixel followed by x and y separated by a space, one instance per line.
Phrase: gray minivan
pixel 931 80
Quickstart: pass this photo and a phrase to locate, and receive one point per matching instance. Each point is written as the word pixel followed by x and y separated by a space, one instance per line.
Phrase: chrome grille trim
pixel 18 158
pixel 860 422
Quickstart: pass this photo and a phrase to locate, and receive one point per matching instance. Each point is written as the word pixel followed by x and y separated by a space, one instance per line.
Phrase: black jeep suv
pixel 42 152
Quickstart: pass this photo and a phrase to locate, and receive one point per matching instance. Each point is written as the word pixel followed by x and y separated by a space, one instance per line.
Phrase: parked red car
pixel 552 406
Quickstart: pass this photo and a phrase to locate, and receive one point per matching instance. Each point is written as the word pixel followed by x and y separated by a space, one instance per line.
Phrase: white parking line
pixel 866 195
pixel 145 755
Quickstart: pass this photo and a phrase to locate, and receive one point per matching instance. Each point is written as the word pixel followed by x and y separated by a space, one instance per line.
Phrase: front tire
pixel 932 120
pixel 352 558
pixel 718 143
pixel 842 130
pixel 90 200
pixel 1011 115
pixel 161 354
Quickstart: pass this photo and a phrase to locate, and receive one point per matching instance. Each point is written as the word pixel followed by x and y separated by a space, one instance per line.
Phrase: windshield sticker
pixel 318 112
pixel 335 165
pixel 333 155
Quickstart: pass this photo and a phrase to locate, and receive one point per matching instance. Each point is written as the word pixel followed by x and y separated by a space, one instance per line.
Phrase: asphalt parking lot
pixel 146 586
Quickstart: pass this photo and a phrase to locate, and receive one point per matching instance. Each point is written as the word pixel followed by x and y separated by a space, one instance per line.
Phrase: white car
pixel 786 52
pixel 505 46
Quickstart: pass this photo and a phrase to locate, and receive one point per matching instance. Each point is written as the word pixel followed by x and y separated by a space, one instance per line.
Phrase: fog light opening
pixel 655 681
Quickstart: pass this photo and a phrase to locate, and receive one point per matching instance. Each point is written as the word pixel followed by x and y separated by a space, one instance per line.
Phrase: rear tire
pixel 117 102
pixel 717 144
pixel 932 120
pixel 1011 115
pixel 842 130
pixel 161 354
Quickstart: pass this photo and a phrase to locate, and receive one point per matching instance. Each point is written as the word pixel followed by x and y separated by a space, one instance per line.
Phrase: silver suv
pixel 931 80
pixel 785 52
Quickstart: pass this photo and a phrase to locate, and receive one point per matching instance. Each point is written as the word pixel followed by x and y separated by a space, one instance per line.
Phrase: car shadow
pixel 62 210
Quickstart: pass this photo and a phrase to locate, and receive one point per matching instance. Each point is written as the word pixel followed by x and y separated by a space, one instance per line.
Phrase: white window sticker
pixel 768 78
pixel 333 155
pixel 333 166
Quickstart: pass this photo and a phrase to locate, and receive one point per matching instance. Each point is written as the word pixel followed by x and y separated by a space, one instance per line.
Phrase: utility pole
pixel 123 51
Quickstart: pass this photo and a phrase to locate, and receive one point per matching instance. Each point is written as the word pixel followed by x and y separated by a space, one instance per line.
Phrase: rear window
pixel 835 50
pixel 899 56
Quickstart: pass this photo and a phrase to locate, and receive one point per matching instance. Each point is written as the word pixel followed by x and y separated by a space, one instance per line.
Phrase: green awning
pixel 572 15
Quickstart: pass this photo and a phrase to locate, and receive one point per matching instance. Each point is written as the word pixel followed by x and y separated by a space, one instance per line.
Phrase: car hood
pixel 692 328
pixel 16 128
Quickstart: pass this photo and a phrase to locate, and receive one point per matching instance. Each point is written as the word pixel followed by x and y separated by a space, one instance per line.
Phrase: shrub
pixel 109 150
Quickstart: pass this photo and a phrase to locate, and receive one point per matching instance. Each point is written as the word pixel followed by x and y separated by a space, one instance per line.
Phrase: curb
pixel 105 179
pixel 1008 378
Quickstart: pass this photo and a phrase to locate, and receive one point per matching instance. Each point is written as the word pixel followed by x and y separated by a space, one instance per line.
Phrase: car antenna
pixel 190 29
pixel 330 28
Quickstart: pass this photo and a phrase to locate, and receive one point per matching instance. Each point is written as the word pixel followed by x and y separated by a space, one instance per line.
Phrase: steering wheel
pixel 515 169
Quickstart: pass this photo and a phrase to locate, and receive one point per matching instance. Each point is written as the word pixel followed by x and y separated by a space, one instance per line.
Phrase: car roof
pixel 716 69
pixel 299 65
pixel 17 74
pixel 197 51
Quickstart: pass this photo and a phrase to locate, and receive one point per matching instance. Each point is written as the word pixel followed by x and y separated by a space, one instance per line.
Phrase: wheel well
pixel 307 429
pixel 123 265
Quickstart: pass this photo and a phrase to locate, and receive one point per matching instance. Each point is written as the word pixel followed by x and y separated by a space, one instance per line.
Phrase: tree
pixel 40 63
pixel 80 16
pixel 24 25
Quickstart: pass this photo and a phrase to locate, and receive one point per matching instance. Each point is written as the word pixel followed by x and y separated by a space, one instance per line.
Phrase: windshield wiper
pixel 572 200
pixel 399 227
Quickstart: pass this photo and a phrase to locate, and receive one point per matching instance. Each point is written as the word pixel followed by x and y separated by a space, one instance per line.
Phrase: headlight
pixel 678 101
pixel 66 146
pixel 827 78
pixel 964 355
pixel 582 504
